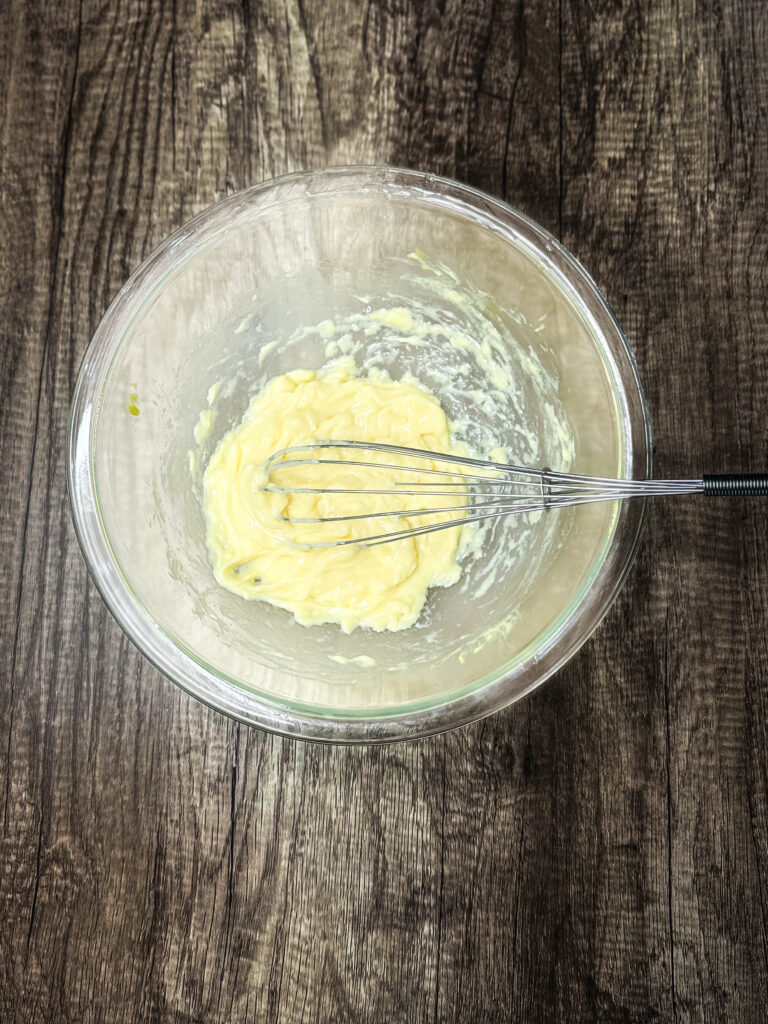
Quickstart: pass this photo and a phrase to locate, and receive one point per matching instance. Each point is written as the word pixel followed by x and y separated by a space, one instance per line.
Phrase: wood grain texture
pixel 598 852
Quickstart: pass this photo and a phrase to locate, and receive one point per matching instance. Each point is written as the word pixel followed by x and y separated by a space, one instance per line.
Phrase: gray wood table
pixel 598 852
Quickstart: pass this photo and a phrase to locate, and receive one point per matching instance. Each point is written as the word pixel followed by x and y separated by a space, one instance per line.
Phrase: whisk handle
pixel 736 485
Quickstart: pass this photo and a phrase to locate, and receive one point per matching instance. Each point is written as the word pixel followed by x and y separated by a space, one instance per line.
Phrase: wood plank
pixel 664 158
pixel 35 136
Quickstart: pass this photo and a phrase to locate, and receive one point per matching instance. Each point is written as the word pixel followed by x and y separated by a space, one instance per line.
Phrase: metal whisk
pixel 490 489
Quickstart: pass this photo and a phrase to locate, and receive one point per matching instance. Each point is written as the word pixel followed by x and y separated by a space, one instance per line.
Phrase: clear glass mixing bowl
pixel 217 303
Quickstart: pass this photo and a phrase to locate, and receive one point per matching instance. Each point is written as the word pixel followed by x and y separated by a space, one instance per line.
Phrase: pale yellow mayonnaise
pixel 257 555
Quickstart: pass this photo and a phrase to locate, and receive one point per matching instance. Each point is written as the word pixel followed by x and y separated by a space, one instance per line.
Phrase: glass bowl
pixel 220 308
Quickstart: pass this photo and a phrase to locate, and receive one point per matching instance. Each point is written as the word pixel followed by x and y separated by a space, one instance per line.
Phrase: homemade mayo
pixel 258 555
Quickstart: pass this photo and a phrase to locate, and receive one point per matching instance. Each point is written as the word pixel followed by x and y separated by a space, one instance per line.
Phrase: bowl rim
pixel 493 692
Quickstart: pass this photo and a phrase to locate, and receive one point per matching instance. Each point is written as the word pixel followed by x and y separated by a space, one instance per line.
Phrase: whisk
pixel 491 489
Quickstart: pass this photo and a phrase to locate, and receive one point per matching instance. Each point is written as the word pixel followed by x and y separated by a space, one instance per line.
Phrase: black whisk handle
pixel 736 485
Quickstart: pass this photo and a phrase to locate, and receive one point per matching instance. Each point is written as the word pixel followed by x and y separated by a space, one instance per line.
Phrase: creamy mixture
pixel 390 371
pixel 257 554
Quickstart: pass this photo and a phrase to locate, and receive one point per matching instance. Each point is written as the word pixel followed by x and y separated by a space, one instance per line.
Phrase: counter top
pixel 597 852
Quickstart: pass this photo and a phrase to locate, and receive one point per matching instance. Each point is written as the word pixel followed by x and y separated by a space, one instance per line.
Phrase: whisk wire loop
pixel 489 489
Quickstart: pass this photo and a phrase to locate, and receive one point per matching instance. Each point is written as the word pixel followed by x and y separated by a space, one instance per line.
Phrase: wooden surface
pixel 598 852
